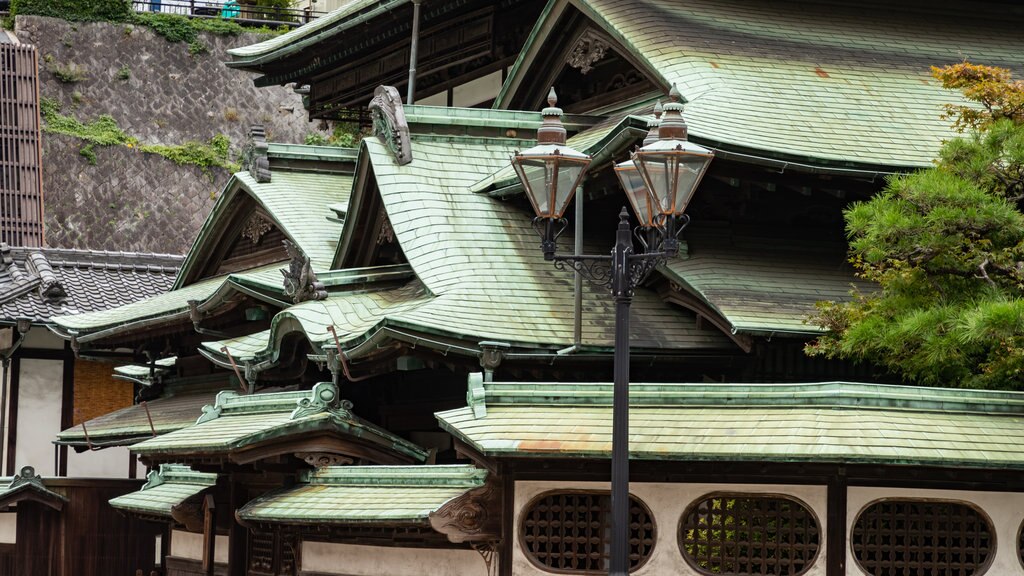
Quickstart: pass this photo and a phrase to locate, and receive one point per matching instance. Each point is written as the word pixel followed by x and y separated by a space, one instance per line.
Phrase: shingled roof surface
pixel 826 422
pixel 808 81
pixel 164 489
pixel 761 285
pixel 365 495
pixel 38 283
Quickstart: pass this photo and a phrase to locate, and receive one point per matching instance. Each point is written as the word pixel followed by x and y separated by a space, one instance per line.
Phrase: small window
pixel 568 532
pixel 742 534
pixel 894 537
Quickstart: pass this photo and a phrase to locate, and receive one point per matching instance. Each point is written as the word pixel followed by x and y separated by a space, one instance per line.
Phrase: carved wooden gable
pixel 371 240
pixel 589 69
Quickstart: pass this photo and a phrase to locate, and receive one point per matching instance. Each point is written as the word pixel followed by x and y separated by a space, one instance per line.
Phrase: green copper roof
pixel 758 287
pixel 299 204
pixel 237 422
pixel 140 373
pixel 164 489
pixel 169 306
pixel 827 422
pixel 813 82
pixel 351 14
pixel 173 411
pixel 27 485
pixel 365 494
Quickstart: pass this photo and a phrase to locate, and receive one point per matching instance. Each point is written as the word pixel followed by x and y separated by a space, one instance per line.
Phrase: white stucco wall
pixel 667 502
pixel 111 462
pixel 190 546
pixel 1004 509
pixel 8 527
pixel 39 404
pixel 357 560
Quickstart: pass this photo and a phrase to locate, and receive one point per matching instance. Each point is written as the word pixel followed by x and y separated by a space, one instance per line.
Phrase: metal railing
pixel 228 10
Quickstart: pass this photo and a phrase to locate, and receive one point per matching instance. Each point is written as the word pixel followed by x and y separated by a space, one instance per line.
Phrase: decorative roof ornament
pixel 389 122
pixel 254 154
pixel 27 475
pixel 652 132
pixel 473 517
pixel 300 282
pixel 256 227
pixel 50 288
pixel 587 51
pixel 324 398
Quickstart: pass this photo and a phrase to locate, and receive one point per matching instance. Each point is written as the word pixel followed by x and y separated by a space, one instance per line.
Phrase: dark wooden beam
pixel 67 405
pixel 836 525
pixel 12 416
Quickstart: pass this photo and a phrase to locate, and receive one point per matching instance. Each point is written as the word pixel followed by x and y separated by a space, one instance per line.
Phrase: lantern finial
pixel 672 126
pixel 551 130
pixel 652 132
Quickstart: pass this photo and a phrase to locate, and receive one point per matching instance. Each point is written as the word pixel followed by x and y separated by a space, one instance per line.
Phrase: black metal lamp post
pixel 659 182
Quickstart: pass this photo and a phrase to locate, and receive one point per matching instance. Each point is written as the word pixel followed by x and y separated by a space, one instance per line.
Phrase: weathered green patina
pixel 820 84
pixel 146 374
pixel 27 485
pixel 236 426
pixel 345 495
pixel 178 408
pixel 834 422
pixel 164 489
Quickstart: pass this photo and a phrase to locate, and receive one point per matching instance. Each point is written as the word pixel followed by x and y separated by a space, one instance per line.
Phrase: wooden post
pixel 238 535
pixel 209 534
pixel 835 564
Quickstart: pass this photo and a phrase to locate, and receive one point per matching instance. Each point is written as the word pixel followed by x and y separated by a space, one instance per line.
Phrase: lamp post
pixel 659 181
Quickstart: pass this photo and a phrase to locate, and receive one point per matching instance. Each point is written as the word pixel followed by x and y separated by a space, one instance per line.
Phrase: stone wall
pixel 129 200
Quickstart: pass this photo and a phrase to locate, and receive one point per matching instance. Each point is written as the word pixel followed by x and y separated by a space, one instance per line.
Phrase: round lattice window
pixel 568 532
pixel 922 537
pixel 742 534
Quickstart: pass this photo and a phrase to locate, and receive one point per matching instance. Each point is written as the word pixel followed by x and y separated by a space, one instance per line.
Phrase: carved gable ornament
pixel 389 122
pixel 473 517
pixel 300 282
pixel 254 154
pixel 589 49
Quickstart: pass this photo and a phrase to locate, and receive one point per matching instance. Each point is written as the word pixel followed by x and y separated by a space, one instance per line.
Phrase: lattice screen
pixel 744 535
pixel 568 532
pixel 921 538
pixel 21 193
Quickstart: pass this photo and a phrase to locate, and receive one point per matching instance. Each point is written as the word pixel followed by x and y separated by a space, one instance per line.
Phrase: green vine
pixel 104 131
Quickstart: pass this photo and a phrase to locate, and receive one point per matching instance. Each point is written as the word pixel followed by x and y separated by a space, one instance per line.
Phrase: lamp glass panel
pixel 569 173
pixel 689 170
pixel 536 176
pixel 636 191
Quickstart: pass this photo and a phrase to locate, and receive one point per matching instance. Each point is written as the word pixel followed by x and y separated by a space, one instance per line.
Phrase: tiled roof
pixel 238 422
pixel 827 422
pixel 164 489
pixel 38 283
pixel 298 202
pixel 27 485
pixel 813 82
pixel 759 286
pixel 365 495
pixel 173 411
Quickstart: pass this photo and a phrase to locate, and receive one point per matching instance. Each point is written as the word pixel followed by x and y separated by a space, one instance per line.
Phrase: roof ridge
pixel 463 475
pixel 838 395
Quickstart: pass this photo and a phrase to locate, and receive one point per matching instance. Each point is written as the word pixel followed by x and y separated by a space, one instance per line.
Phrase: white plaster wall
pixel 39 337
pixel 8 527
pixel 111 462
pixel 1004 509
pixel 39 403
pixel 667 501
pixel 357 560
pixel 190 546
pixel 439 99
pixel 476 91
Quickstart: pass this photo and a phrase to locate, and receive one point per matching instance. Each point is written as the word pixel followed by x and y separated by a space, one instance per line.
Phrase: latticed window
pixel 922 538
pixel 569 532
pixel 743 534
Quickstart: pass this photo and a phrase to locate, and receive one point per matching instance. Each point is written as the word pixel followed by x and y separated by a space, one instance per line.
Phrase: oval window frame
pixel 521 530
pixel 993 549
pixel 822 537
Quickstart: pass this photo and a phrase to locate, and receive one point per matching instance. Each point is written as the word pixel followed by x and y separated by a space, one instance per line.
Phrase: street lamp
pixel 659 181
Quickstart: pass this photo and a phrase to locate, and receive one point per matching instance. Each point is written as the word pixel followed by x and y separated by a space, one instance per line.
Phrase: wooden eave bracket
pixel 675 294
pixel 474 517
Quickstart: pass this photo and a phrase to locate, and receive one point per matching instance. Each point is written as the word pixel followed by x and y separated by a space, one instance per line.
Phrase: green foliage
pixel 178 28
pixel 946 247
pixel 68 74
pixel 104 131
pixel 214 153
pixel 124 73
pixel 80 10
pixel 344 135
pixel 196 47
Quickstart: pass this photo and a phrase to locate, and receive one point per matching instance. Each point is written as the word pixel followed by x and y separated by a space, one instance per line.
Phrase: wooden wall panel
pixel 21 189
pixel 38 547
